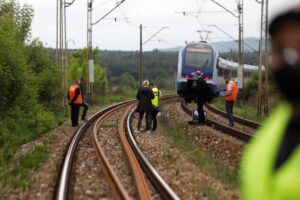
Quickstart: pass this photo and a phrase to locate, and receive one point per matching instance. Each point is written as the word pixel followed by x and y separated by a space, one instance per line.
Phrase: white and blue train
pixel 204 57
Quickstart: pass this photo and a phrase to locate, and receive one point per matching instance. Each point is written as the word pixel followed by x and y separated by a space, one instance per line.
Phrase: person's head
pixel 285 55
pixel 81 80
pixel 227 78
pixel 76 82
pixel 152 85
pixel 145 83
pixel 198 74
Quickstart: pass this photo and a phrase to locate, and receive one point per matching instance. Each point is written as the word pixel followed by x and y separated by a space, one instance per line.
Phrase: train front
pixel 193 57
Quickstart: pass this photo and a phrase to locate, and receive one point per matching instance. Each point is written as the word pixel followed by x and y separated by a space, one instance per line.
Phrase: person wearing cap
pixel 144 97
pixel 230 97
pixel 270 167
pixel 201 92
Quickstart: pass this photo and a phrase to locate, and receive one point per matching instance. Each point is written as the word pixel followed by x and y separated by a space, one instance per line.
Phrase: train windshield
pixel 199 58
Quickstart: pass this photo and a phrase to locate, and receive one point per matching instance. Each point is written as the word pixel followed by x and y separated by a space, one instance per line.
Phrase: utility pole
pixel 141 50
pixel 90 46
pixel 266 106
pixel 141 55
pixel 259 89
pixel 240 8
pixel 61 40
pixel 90 24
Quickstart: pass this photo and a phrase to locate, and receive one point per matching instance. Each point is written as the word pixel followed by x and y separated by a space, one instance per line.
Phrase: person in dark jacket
pixel 85 105
pixel 144 97
pixel 201 93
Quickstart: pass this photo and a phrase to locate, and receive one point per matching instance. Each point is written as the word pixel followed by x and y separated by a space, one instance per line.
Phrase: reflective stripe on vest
pixel 258 178
pixel 155 101
pixel 234 91
pixel 72 91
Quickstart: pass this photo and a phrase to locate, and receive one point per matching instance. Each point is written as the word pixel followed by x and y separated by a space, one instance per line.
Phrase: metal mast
pixel 61 39
pixel 266 105
pixel 262 98
pixel 90 45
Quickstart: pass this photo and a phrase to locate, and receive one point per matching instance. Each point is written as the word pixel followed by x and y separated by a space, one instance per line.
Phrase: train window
pixel 234 73
pixel 226 72
pixel 220 72
pixel 198 58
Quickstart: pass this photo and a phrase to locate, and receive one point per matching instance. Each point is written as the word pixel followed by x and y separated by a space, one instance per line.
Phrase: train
pixel 205 57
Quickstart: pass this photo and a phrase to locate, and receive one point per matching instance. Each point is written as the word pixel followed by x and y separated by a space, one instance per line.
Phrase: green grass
pixel 210 192
pixel 242 110
pixel 17 174
pixel 196 155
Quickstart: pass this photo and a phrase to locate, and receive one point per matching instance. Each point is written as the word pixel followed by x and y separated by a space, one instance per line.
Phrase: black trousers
pixel 229 108
pixel 148 120
pixel 154 119
pixel 200 103
pixel 85 109
pixel 75 114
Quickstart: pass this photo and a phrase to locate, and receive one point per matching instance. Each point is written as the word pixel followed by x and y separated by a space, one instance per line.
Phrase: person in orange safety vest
pixel 230 97
pixel 75 101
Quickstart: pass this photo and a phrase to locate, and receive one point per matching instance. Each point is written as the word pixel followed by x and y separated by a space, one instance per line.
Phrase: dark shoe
pixel 231 125
pixel 192 122
pixel 200 124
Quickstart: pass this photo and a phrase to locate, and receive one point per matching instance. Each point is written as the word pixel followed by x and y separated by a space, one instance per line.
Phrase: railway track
pixel 221 127
pixel 242 121
pixel 135 157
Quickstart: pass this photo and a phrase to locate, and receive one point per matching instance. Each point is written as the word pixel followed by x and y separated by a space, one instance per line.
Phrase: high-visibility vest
pixel 258 178
pixel 155 101
pixel 72 91
pixel 234 91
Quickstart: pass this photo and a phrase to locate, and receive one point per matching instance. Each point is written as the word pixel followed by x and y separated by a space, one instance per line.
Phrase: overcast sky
pixel 153 14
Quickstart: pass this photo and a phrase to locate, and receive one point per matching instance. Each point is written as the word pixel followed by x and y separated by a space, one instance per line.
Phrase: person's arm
pixel 151 94
pixel 77 92
pixel 138 95
pixel 229 90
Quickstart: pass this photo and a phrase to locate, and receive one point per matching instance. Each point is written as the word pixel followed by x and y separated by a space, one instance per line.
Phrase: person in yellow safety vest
pixel 230 97
pixel 155 103
pixel 75 101
pixel 270 167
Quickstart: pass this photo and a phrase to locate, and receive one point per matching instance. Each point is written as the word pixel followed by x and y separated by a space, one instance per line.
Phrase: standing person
pixel 75 101
pixel 270 168
pixel 230 97
pixel 144 96
pixel 201 91
pixel 85 105
pixel 155 103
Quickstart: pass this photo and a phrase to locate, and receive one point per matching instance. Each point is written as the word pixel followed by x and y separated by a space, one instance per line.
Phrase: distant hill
pixel 251 44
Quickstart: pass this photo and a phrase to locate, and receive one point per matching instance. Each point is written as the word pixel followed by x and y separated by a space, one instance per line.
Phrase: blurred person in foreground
pixel 270 168
pixel 144 97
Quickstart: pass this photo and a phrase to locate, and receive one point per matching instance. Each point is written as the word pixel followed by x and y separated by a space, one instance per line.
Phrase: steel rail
pixel 140 181
pixel 224 129
pixel 115 184
pixel 239 120
pixel 65 172
pixel 157 181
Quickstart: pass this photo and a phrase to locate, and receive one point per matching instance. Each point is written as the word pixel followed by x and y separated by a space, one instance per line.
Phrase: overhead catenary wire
pixel 118 4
